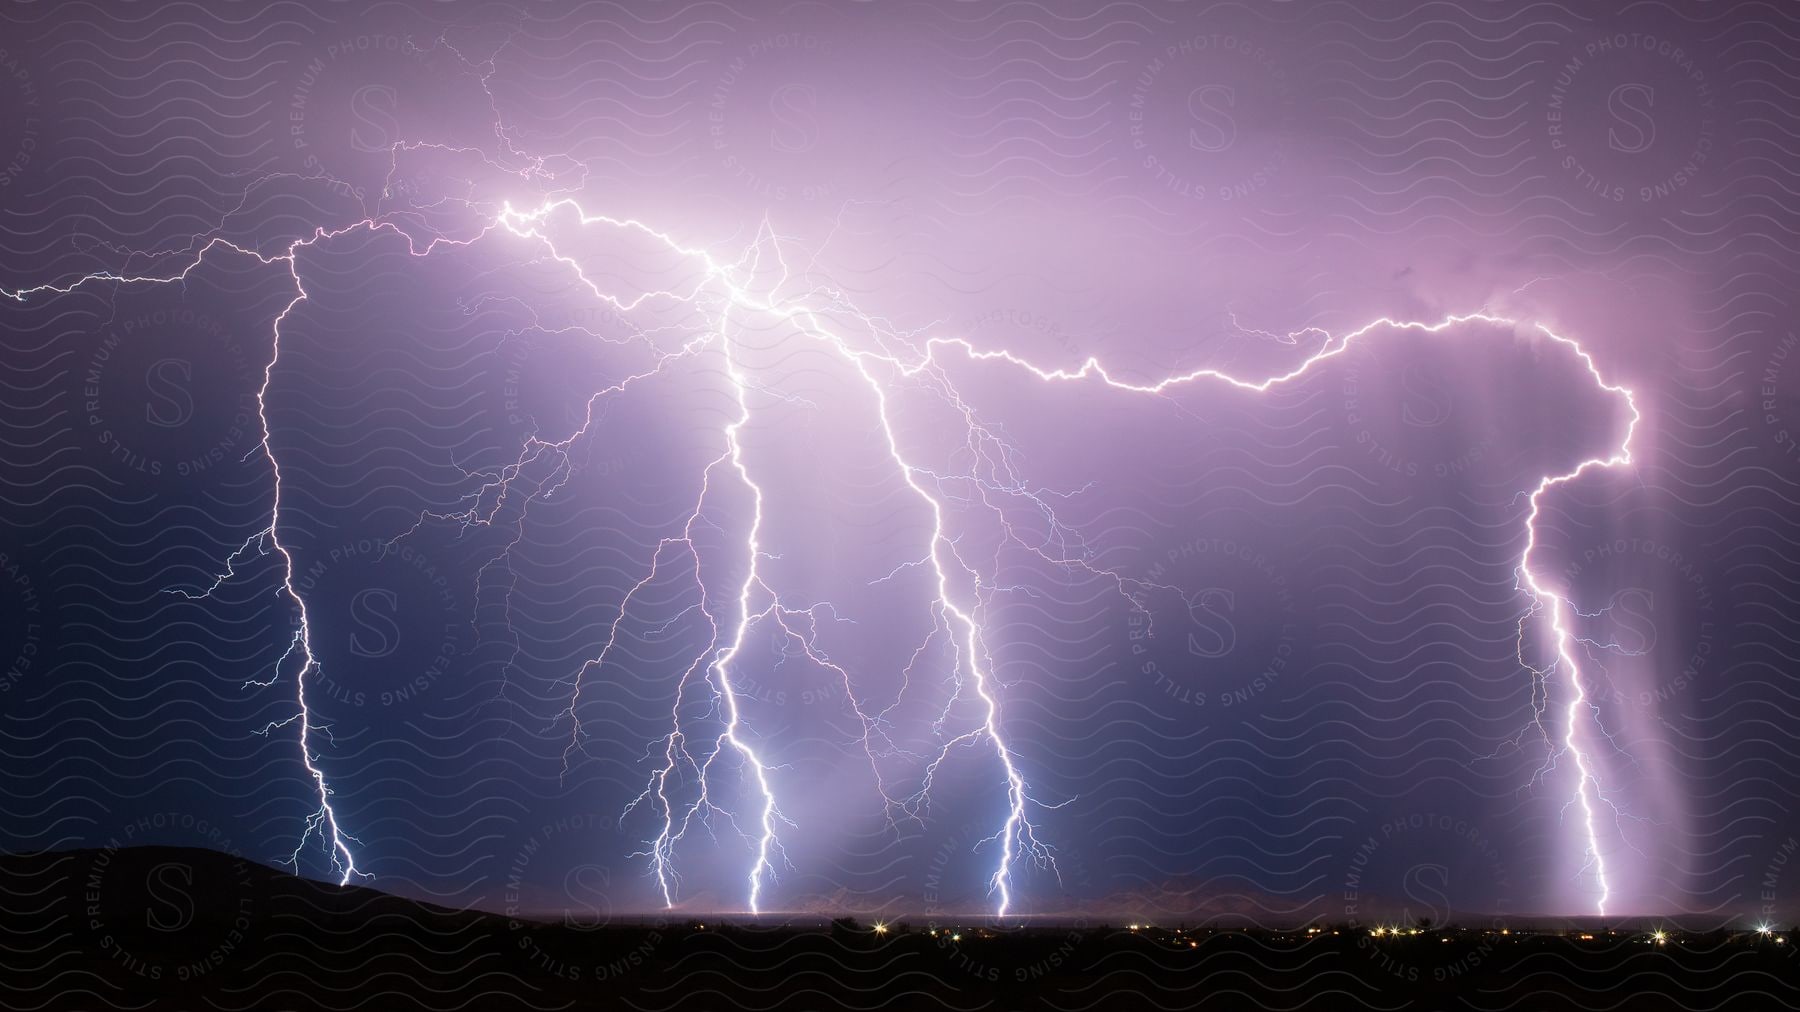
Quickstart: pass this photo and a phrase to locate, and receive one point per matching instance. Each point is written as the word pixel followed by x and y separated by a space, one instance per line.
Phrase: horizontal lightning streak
pixel 324 819
pixel 951 614
pixel 1587 789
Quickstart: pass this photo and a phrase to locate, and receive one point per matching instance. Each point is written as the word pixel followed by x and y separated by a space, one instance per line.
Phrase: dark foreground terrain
pixel 153 928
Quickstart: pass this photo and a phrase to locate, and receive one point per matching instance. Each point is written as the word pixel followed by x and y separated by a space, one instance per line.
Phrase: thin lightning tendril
pixel 1544 599
pixel 960 590
pixel 323 821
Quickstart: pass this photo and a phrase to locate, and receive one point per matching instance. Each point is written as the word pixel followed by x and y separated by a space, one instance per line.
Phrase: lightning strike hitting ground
pixel 323 820
pixel 1544 599
pixel 959 587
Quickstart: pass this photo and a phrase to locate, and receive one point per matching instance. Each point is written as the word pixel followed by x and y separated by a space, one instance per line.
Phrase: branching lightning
pixel 1544 599
pixel 323 821
pixel 882 358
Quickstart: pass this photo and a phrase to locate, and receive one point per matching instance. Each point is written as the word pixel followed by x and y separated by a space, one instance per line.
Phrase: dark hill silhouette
pixel 157 928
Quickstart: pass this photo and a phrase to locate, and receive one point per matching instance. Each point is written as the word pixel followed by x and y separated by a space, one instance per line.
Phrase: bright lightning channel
pixel 324 819
pixel 958 585
pixel 1544 599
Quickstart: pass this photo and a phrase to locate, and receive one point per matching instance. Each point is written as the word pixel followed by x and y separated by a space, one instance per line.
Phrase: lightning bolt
pixel 960 591
pixel 1016 833
pixel 322 821
pixel 1544 599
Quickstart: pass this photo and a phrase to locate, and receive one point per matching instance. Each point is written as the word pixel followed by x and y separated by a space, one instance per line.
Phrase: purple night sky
pixel 681 483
